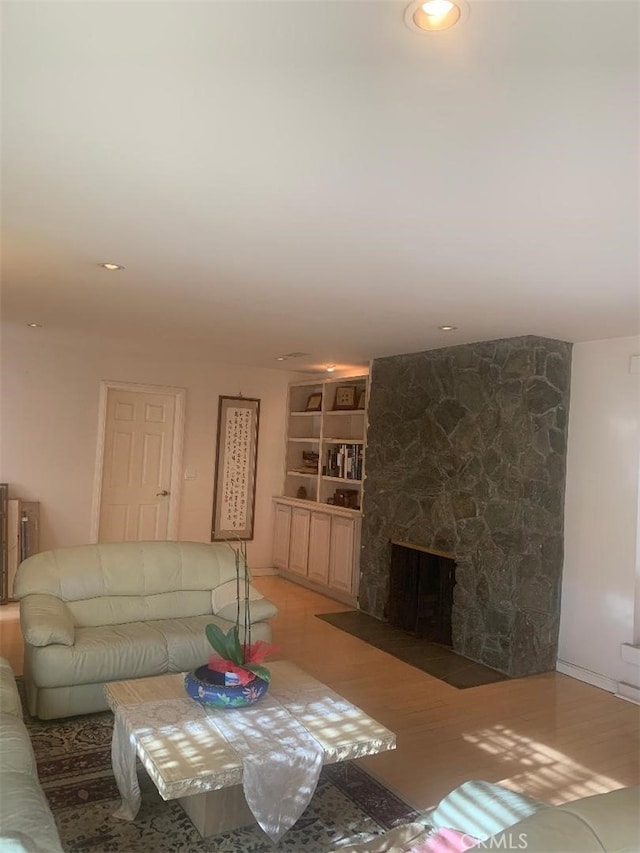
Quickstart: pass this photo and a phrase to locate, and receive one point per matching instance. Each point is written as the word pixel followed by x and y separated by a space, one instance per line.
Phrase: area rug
pixel 74 766
pixel 432 658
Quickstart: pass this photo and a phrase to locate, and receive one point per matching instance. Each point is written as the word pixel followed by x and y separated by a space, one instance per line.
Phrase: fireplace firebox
pixel 421 591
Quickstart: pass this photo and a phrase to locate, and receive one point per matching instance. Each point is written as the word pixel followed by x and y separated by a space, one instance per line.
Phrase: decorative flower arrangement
pixel 234 675
pixel 244 661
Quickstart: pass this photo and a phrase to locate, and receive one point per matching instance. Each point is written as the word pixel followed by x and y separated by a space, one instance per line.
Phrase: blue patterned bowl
pixel 207 687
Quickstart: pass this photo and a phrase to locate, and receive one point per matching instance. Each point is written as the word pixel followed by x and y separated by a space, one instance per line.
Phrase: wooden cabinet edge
pixel 316 506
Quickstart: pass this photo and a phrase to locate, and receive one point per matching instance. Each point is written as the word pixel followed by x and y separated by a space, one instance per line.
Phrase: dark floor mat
pixel 436 660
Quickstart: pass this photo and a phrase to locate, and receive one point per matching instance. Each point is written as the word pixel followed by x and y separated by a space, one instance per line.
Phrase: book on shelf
pixel 343 461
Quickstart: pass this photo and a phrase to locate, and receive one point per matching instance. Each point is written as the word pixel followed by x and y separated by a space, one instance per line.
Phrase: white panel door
pixel 341 564
pixel 319 544
pixel 136 474
pixel 299 549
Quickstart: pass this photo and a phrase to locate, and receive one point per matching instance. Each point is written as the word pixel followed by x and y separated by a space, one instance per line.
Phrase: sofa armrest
pixel 482 809
pixel 9 696
pixel 261 610
pixel 225 605
pixel 46 620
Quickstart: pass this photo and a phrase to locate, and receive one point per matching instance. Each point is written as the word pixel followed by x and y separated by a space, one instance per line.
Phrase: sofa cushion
pixel 25 816
pixel 16 842
pixel 9 697
pixel 16 751
pixel 608 821
pixel 120 609
pixel 125 568
pixel 186 639
pixel 100 654
pixel 550 831
pixel 614 817
pixel 227 593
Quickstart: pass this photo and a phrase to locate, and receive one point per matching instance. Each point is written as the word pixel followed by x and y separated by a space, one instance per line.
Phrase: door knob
pixel 162 494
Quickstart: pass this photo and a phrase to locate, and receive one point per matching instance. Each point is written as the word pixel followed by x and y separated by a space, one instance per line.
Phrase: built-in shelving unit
pixel 317 518
pixel 325 447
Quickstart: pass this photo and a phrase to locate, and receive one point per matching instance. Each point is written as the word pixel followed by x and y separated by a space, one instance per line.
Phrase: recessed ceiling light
pixel 281 358
pixel 34 325
pixel 447 328
pixel 111 267
pixel 435 15
pixel 330 368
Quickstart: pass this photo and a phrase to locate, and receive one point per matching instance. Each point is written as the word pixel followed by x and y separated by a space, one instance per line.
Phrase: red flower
pixel 258 651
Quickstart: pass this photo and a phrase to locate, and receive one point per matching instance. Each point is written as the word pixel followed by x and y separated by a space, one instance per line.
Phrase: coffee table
pixel 189 758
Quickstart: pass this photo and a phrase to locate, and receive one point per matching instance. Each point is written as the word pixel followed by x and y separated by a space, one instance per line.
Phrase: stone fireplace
pixel 466 455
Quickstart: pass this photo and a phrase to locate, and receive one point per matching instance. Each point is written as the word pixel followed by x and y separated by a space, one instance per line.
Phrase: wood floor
pixel 550 736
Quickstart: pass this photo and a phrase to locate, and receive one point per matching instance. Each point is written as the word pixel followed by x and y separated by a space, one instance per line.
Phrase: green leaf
pixel 217 639
pixel 226 645
pixel 234 646
pixel 259 670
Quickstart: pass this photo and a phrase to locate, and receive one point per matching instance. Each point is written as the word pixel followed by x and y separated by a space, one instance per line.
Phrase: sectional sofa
pixel 99 613
pixel 480 815
pixel 26 822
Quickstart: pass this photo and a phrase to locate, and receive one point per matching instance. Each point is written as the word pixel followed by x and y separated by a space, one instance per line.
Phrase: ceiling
pixel 315 177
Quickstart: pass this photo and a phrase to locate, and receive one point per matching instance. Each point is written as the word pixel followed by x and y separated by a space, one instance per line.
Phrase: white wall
pixel 50 393
pixel 600 581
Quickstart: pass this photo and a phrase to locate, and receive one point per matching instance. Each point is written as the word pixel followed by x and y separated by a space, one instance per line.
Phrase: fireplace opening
pixel 421 591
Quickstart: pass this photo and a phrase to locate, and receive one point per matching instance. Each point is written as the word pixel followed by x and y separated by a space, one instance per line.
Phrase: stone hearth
pixel 466 452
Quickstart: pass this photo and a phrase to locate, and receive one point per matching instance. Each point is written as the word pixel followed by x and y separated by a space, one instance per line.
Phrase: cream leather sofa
pixel 480 815
pixel 26 822
pixel 99 613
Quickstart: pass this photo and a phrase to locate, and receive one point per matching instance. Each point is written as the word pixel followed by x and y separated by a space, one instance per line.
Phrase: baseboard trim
pixel 335 594
pixel 261 573
pixel 629 692
pixel 587 675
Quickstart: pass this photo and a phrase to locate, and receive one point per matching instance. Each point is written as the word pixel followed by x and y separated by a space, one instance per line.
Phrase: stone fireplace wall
pixel 466 450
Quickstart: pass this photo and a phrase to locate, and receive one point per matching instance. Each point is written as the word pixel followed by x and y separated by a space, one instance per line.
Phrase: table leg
pixel 218 811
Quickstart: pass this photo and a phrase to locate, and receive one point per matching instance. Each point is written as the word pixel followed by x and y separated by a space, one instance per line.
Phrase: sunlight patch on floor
pixel 540 770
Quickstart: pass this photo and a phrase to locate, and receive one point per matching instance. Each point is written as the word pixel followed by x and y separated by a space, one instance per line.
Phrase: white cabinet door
pixel 281 531
pixel 319 546
pixel 299 549
pixel 341 554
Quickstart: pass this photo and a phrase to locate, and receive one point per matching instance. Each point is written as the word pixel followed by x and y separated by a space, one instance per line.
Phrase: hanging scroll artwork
pixel 236 455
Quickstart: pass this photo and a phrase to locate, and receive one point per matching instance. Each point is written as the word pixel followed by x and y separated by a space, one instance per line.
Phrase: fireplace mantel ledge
pixel 416 547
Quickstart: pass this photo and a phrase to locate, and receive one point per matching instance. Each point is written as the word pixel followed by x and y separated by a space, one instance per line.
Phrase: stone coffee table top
pixel 185 753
